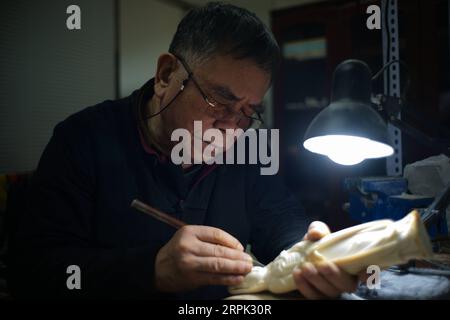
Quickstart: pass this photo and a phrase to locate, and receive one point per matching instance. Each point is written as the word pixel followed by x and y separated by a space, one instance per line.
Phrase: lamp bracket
pixel 390 106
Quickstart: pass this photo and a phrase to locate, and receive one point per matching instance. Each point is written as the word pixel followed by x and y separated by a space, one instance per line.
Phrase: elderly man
pixel 217 71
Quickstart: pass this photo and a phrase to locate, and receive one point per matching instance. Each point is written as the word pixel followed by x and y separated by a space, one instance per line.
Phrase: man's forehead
pixel 237 78
pixel 225 91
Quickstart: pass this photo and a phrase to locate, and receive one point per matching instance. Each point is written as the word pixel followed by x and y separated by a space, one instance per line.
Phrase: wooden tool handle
pixel 157 214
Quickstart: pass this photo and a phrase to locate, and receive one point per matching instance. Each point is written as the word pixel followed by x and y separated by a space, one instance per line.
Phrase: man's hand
pixel 324 281
pixel 200 255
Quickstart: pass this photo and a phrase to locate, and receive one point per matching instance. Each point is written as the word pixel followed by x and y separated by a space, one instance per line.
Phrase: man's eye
pixel 215 102
pixel 258 109
pixel 223 103
pixel 248 111
pixel 262 107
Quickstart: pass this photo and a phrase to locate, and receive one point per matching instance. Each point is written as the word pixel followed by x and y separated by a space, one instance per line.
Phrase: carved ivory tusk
pixel 383 243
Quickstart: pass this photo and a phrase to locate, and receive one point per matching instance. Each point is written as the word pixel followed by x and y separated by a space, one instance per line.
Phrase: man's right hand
pixel 200 255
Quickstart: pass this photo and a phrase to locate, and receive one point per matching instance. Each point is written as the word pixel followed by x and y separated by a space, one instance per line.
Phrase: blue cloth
pixel 406 286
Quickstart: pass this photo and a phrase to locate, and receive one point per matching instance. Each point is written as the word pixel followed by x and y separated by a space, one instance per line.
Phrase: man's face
pixel 240 84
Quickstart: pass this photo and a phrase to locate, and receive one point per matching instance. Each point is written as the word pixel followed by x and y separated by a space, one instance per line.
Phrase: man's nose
pixel 224 124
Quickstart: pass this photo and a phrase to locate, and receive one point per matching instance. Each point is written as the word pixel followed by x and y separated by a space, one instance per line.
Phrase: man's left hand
pixel 325 281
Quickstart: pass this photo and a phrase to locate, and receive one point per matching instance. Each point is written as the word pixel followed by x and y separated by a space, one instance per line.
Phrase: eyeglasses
pixel 247 118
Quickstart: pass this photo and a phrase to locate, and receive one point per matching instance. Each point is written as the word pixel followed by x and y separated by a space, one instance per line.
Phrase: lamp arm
pixel 400 63
pixel 439 146
pixel 380 72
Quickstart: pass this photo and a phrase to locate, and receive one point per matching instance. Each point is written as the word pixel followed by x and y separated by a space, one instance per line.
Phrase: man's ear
pixel 165 73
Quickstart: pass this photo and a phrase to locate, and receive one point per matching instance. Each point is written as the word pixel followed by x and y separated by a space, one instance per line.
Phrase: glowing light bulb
pixel 346 160
pixel 347 150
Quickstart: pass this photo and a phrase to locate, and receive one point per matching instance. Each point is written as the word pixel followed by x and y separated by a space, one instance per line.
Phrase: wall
pixel 48 72
pixel 146 29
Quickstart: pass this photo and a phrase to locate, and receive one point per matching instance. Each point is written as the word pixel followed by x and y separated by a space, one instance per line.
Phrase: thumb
pixel 316 231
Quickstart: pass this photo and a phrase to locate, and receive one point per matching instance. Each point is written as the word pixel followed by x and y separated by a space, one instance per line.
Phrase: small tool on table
pixel 167 219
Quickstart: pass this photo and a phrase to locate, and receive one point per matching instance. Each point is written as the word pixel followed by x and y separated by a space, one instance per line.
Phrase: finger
pixel 212 279
pixel 363 276
pixel 218 236
pixel 317 230
pixel 222 265
pixel 205 249
pixel 340 279
pixel 304 287
pixel 318 281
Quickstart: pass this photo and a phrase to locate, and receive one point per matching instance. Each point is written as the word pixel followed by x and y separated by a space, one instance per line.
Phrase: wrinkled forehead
pixel 241 77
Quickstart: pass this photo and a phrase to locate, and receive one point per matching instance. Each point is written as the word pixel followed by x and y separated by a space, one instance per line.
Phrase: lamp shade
pixel 349 130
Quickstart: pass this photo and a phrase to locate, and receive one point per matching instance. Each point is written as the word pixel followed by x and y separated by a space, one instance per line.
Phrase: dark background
pixel 424 46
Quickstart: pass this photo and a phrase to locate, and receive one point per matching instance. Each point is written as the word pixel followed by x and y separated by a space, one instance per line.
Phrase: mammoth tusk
pixel 383 243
